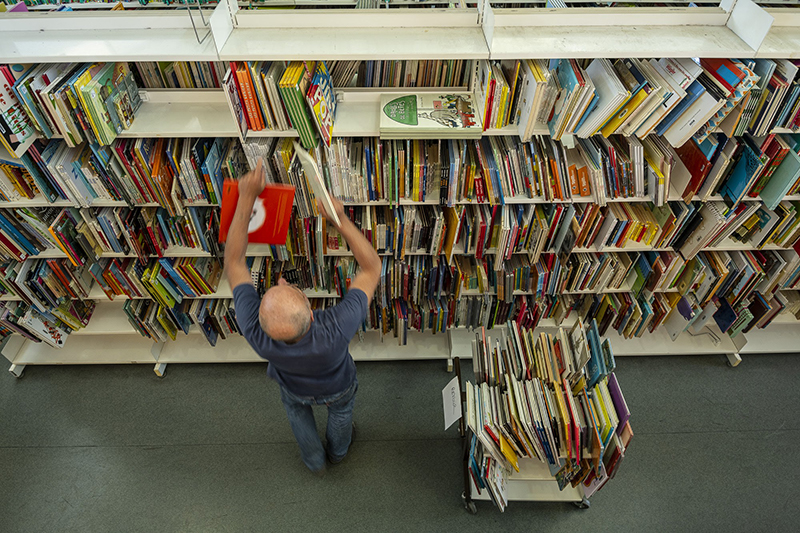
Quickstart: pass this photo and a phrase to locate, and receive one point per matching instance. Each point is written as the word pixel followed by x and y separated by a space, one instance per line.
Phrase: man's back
pixel 319 363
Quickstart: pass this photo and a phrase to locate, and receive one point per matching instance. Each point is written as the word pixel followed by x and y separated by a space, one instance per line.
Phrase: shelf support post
pixel 734 359
pixel 160 369
pixel 17 370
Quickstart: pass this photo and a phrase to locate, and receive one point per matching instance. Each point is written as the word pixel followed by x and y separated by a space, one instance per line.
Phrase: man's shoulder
pixel 352 307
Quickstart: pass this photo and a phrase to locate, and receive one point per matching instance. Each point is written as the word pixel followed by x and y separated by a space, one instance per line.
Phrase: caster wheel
pixel 584 504
pixel 469 506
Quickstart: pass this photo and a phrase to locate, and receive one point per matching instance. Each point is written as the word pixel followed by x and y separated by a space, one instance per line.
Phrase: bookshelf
pixel 104 36
pixel 499 33
pixel 633 32
pixel 182 113
pixel 356 34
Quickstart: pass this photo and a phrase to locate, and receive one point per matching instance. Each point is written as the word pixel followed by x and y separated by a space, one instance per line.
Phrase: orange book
pixel 583 181
pixel 556 181
pixel 573 180
pixel 250 102
pixel 272 213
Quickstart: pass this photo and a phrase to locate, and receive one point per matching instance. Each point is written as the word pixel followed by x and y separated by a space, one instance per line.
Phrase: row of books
pixel 547 397
pixel 679 99
pixel 505 231
pixel 52 327
pixel 401 73
pixel 497 170
pixel 166 172
pixel 215 319
pixel 168 281
pixel 388 73
pixel 91 102
pixel 278 96
pixel 85 235
pixel 502 170
pixel 181 74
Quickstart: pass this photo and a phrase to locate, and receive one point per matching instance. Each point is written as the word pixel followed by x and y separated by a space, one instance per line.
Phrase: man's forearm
pixel 236 246
pixel 365 255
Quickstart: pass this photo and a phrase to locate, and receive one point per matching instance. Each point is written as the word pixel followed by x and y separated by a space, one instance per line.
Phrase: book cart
pixel 228 33
pixel 533 482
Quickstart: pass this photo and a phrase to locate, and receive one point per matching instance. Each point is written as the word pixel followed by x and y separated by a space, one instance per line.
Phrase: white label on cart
pixel 451 399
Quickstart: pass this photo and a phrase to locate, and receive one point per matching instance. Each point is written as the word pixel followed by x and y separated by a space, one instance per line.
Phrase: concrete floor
pixel 208 448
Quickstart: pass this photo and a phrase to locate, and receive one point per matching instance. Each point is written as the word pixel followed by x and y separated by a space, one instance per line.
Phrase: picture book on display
pixel 271 215
pixel 429 116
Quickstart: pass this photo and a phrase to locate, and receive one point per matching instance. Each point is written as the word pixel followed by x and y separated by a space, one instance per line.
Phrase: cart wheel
pixel 469 505
pixel 583 504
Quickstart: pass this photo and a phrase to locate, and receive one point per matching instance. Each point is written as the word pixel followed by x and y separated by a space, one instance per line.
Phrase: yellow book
pixel 600 406
pixel 82 81
pixel 166 323
pixel 564 425
pixel 508 452
pixel 501 112
pixel 619 116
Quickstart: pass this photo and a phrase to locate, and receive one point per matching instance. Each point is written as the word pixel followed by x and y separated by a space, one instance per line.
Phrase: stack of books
pixel 552 398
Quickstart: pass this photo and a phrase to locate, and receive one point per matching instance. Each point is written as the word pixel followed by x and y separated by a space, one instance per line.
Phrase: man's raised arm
pixel 250 186
pixel 367 258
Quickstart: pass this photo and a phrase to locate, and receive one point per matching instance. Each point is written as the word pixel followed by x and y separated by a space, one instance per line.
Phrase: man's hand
pixel 337 205
pixel 252 183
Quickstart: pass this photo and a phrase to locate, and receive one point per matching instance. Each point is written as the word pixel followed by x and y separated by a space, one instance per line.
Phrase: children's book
pixel 431 115
pixel 271 215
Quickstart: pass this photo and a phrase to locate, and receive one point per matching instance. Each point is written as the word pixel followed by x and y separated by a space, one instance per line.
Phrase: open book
pixel 314 178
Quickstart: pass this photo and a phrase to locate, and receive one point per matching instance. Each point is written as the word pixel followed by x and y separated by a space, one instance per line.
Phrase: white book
pixel 314 178
pixel 692 119
pixel 611 93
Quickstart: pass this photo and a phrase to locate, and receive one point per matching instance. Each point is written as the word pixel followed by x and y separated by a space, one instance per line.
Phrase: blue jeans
pixel 340 424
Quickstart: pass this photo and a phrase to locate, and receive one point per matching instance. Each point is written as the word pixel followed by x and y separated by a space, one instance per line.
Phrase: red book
pixel 698 166
pixel 272 213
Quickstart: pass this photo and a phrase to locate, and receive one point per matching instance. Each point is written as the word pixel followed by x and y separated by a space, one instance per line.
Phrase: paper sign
pixel 451 400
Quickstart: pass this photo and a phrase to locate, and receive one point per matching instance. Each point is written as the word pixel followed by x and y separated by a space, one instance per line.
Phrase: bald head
pixel 285 314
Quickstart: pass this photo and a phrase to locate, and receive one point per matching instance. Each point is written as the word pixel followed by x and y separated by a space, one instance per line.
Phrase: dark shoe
pixel 320 472
pixel 352 440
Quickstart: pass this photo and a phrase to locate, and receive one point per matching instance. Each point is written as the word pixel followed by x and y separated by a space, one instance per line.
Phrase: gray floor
pixel 208 448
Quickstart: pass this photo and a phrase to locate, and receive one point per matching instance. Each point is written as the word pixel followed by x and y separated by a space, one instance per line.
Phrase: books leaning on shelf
pixel 180 74
pixel 399 73
pixel 269 95
pixel 91 102
pixel 551 398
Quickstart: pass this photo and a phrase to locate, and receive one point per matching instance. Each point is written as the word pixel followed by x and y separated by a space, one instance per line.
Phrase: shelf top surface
pixel 513 42
pixel 355 43
pixel 170 44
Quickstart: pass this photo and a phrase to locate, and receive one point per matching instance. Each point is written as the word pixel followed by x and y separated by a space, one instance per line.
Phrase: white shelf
pixel 103 36
pixel 600 32
pixel 183 113
pixel 512 42
pixel 356 34
pixel 195 349
pixel 108 319
pixel 782 335
pixel 529 484
pixel 99 350
pixel 782 42
pixel 420 346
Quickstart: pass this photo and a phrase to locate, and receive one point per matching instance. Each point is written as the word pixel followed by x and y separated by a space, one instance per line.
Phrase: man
pixel 308 352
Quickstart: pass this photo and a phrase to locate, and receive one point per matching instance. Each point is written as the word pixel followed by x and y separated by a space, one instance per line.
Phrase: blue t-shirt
pixel 319 363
